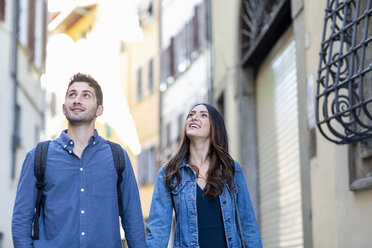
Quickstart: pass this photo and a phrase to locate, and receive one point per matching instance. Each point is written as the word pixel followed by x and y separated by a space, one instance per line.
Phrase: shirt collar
pixel 66 141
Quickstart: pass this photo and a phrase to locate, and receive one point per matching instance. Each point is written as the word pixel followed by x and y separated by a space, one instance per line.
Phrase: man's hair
pixel 81 77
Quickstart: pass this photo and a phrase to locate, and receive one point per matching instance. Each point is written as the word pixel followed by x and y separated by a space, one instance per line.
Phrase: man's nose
pixel 77 99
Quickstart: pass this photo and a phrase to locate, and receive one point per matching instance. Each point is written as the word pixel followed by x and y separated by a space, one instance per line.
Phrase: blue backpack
pixel 39 171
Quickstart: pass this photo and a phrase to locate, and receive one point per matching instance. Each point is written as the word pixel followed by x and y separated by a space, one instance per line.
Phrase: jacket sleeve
pixel 161 211
pixel 247 216
pixel 132 219
pixel 24 206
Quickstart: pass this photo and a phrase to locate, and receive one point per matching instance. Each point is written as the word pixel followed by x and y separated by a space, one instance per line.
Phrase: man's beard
pixel 76 120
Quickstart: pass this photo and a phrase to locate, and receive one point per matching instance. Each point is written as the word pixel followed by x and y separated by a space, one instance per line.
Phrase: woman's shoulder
pixel 238 167
pixel 162 169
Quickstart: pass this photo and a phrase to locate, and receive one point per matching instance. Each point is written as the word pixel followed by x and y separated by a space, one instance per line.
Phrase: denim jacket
pixel 184 204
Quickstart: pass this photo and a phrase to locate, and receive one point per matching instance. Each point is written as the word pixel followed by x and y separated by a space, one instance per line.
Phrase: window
pixel 344 94
pixel 40 34
pixel 151 76
pixel 171 64
pixel 2 10
pixel 146 166
pixel 221 104
pixel 145 10
pixel 37 134
pixel 139 84
pixel 23 21
pixel 31 27
pixel 168 137
pixel 208 24
pixel 180 122
pixel 16 138
pixel 198 27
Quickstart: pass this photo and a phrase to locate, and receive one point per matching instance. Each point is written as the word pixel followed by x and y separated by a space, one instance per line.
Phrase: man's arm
pixel 24 206
pixel 132 219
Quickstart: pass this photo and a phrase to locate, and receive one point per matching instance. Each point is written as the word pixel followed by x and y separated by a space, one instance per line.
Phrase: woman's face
pixel 198 123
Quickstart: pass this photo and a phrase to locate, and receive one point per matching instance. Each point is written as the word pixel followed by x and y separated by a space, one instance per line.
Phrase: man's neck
pixel 80 135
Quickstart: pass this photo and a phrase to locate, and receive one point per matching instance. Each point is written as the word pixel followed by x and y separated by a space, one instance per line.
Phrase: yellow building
pixel 142 91
pixel 79 23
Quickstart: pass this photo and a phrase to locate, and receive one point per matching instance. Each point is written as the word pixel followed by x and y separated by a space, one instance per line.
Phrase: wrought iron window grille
pixel 344 84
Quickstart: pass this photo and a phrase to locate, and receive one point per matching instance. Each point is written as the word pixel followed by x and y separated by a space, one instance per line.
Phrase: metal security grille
pixel 344 84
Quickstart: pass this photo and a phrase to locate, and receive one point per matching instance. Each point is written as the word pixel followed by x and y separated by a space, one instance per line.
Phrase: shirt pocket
pixel 104 183
pixel 178 193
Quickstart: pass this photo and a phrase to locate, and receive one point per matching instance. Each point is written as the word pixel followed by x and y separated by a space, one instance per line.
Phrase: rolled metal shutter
pixel 278 149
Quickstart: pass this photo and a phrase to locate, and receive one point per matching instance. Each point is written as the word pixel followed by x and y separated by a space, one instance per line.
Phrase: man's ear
pixel 99 110
pixel 63 109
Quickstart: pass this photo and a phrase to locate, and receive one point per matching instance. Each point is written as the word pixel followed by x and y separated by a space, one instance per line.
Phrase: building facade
pixel 142 91
pixel 23 37
pixel 186 69
pixel 307 190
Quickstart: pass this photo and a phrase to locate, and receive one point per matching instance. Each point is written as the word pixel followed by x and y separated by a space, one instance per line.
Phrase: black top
pixel 210 224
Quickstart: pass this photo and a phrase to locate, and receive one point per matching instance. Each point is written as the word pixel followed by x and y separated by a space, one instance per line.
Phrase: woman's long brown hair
pixel 222 166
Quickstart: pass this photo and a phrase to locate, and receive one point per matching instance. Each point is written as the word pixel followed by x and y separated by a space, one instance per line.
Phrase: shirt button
pixel 224 202
pixel 81 169
pixel 64 146
pixel 71 142
pixel 94 142
pixel 82 233
pixel 228 219
pixel 70 151
pixel 229 238
pixel 82 189
pixel 82 211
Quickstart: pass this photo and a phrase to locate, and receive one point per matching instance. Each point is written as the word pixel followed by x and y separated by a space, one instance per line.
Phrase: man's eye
pixel 86 96
pixel 72 95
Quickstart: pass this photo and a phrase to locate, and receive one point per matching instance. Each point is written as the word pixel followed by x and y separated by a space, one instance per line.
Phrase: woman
pixel 203 185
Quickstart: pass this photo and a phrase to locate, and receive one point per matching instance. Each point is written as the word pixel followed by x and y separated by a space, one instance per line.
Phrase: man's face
pixel 80 105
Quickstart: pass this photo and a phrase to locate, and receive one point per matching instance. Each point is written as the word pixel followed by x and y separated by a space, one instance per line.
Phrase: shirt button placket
pixel 82 203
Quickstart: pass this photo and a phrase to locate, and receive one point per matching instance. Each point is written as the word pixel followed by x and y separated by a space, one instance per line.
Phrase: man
pixel 80 203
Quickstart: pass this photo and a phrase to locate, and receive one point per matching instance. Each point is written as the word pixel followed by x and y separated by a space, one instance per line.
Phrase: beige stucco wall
pixel 341 218
pixel 226 54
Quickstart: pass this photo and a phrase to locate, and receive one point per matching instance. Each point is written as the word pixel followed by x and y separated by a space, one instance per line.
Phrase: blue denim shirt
pixel 80 205
pixel 184 197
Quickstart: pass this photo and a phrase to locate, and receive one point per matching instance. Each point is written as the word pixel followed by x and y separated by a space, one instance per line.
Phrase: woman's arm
pixel 160 219
pixel 247 216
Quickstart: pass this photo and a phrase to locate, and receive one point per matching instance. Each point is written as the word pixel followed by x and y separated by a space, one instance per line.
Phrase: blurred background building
pixel 22 61
pixel 291 78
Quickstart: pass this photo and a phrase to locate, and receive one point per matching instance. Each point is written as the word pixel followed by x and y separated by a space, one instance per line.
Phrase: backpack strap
pixel 39 171
pixel 119 160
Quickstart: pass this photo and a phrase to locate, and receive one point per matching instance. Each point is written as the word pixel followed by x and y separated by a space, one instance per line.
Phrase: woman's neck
pixel 199 154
